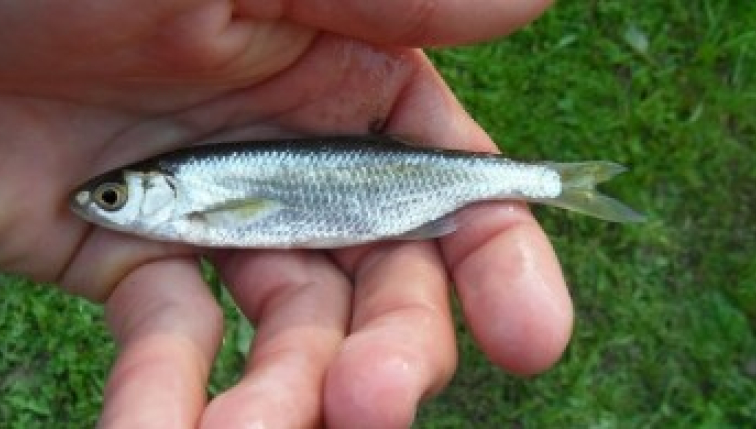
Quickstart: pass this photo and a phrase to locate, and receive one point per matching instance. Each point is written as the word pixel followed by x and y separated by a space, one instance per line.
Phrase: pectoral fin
pixel 236 212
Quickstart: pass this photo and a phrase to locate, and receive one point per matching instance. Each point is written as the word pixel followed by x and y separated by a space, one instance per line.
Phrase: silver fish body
pixel 325 192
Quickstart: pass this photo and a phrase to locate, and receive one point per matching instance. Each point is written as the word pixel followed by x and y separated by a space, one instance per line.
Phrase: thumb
pixel 403 22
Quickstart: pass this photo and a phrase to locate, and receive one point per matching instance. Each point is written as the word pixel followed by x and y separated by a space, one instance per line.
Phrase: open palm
pixel 353 336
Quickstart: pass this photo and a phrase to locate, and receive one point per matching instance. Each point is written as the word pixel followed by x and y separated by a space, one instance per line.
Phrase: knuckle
pixel 417 21
pixel 410 24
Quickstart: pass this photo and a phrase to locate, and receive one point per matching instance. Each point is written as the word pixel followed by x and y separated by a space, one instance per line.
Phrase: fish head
pixel 127 200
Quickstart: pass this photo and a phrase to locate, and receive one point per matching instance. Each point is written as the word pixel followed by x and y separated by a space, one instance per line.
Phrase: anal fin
pixel 436 228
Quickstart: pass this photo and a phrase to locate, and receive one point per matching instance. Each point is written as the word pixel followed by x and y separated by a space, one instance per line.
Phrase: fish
pixel 327 192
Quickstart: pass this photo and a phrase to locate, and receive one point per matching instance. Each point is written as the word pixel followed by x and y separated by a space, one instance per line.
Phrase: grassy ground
pixel 665 329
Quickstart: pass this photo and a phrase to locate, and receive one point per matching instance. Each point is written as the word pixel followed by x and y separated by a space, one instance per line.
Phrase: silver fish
pixel 326 192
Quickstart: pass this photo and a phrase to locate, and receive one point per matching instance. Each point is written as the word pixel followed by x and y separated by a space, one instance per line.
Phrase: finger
pixel 168 327
pixel 399 92
pixel 507 276
pixel 401 348
pixel 172 55
pixel 104 259
pixel 300 304
pixel 511 287
pixel 338 86
pixel 403 22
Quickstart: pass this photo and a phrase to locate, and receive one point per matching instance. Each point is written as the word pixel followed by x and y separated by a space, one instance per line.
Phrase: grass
pixel 665 311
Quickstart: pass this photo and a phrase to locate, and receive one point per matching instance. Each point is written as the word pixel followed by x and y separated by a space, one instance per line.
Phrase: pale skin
pixel 350 338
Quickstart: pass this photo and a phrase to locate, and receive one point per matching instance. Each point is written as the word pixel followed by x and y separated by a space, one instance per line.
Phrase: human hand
pixel 352 338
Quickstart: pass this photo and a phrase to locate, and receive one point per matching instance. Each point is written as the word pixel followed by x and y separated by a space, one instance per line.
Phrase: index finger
pixel 403 22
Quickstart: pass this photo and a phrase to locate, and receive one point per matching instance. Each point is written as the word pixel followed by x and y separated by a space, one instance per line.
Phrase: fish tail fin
pixel 579 192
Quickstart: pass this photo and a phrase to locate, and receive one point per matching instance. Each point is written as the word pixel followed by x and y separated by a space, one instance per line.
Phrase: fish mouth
pixel 78 201
pixel 82 197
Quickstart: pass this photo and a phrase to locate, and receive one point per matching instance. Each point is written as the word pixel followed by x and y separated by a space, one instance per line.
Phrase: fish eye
pixel 110 196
